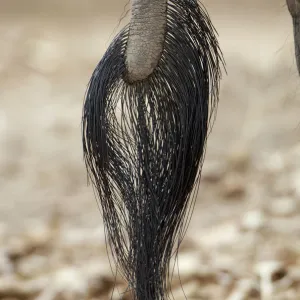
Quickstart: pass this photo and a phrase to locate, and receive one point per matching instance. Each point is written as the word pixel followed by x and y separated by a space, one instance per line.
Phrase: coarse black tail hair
pixel 144 145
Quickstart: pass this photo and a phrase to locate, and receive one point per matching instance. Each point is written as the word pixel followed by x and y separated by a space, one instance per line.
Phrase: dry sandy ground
pixel 246 222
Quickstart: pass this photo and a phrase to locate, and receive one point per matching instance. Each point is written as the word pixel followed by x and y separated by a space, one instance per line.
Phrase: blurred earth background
pixel 244 237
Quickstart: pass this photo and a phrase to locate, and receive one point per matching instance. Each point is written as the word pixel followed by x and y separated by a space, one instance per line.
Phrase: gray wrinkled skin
pixel 146 37
pixel 294 9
